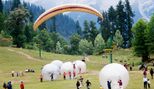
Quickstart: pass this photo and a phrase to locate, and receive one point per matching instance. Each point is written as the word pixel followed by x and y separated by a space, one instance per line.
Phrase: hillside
pixel 13 59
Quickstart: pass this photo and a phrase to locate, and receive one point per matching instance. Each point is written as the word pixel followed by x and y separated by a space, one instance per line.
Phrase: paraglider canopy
pixel 64 8
pixel 111 74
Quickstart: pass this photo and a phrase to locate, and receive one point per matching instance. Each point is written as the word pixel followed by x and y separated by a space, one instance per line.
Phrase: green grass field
pixel 13 59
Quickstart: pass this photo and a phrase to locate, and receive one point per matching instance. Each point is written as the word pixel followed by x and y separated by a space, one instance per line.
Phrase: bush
pixel 5 41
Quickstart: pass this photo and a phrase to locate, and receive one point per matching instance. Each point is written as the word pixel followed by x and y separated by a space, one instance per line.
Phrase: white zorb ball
pixel 49 69
pixel 57 62
pixel 67 67
pixel 80 66
pixel 114 72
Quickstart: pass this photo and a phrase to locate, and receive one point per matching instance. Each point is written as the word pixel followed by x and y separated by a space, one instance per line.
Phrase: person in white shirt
pixel 145 82
pixel 148 83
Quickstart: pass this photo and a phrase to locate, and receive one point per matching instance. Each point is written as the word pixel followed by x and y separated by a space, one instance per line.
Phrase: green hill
pixel 13 59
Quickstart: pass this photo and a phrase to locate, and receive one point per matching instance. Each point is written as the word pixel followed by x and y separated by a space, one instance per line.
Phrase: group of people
pixel 17 74
pixel 69 74
pixel 9 85
pixel 120 84
pixel 80 83
pixel 146 81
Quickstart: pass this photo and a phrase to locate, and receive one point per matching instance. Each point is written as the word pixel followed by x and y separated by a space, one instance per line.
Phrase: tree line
pixel 17 24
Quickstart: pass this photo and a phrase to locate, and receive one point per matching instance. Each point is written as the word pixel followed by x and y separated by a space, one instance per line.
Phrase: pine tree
pixel 140 40
pixel 1 6
pixel 59 48
pixel 150 35
pixel 112 14
pixel 86 47
pixel 118 39
pixel 86 31
pixel 121 20
pixel 93 31
pixel 54 25
pixel 16 23
pixel 99 44
pixel 129 21
pixel 16 4
pixel 78 28
pixel 105 27
pixel 74 42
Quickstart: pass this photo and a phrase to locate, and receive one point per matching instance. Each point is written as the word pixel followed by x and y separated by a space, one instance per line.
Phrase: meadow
pixel 14 59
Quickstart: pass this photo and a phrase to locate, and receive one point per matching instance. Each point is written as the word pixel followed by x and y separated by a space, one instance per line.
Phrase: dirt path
pixel 24 54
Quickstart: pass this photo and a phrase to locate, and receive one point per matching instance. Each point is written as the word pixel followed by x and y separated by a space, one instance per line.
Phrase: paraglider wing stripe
pixel 52 12
pixel 64 9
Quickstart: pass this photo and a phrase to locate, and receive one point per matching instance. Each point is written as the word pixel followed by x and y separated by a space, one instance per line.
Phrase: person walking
pixel 9 85
pixel 148 83
pixel 78 84
pixel 145 82
pixel 109 84
pixel 81 80
pixel 4 86
pixel 145 73
pixel 88 84
pixel 22 85
pixel 51 76
pixel 151 73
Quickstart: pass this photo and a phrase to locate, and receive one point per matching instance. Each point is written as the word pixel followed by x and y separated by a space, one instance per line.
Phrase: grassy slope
pixel 13 61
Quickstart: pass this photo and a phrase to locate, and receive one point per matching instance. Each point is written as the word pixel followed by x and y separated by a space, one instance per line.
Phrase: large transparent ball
pixel 49 69
pixel 113 72
pixel 80 66
pixel 66 68
pixel 58 63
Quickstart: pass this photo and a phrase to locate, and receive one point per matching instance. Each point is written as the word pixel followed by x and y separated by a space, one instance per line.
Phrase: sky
pixel 145 7
pixel 102 4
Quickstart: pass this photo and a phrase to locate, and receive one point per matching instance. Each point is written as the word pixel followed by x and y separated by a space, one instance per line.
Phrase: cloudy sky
pixel 102 4
pixel 145 7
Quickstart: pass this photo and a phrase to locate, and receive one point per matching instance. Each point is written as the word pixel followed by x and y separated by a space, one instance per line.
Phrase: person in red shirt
pixel 120 84
pixel 22 85
pixel 74 74
pixel 69 74
pixel 64 75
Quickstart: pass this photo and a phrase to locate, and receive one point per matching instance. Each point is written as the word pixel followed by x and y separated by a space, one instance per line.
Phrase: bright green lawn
pixel 14 61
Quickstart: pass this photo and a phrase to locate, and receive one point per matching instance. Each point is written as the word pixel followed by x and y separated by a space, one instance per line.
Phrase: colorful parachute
pixel 64 8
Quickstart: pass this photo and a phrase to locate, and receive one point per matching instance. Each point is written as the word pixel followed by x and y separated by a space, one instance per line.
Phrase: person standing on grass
pixel 151 73
pixel 81 80
pixel 88 84
pixel 64 75
pixel 12 73
pixel 145 82
pixel 74 74
pixel 120 84
pixel 9 85
pixel 69 73
pixel 78 84
pixel 41 78
pixel 145 73
pixel 109 84
pixel 148 83
pixel 4 86
pixel 51 76
pixel 22 85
